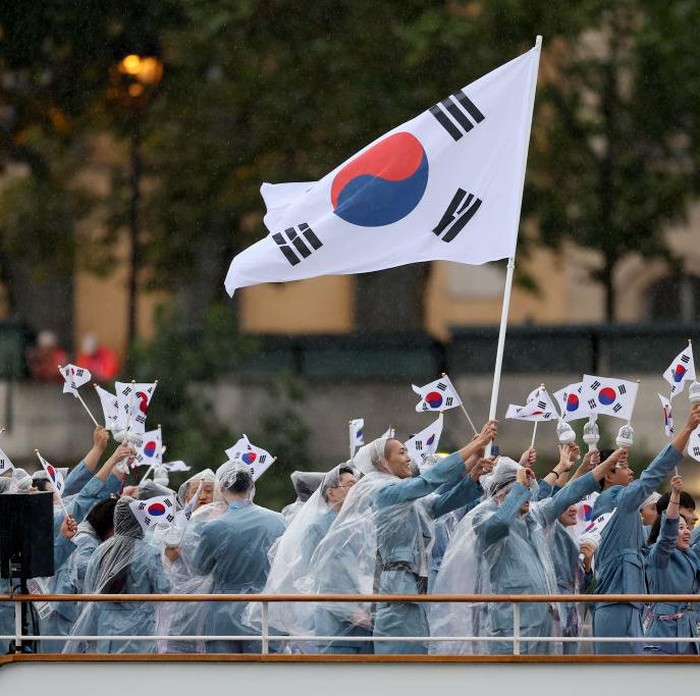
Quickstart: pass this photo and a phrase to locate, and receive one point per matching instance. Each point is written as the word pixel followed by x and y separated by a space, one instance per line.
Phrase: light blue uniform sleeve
pixel 77 477
pixel 631 497
pixel 663 548
pixel 92 493
pixel 62 549
pixel 544 490
pixel 497 526
pixel 444 471
pixel 465 492
pixel 552 507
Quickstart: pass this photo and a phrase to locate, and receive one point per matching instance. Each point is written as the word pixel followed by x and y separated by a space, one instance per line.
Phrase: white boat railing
pixel 265 637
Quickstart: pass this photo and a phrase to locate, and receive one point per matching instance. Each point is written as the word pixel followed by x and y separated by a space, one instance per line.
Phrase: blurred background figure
pixel 44 357
pixel 102 361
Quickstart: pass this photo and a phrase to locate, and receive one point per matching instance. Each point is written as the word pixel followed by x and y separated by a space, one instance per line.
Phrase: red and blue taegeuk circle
pixel 149 449
pixel 433 399
pixel 679 373
pixel 572 402
pixel 607 396
pixel 383 184
pixel 156 509
pixel 249 457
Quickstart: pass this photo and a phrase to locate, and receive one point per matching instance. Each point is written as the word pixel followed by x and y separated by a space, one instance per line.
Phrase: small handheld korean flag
pixel 681 370
pixel 74 377
pixel 570 403
pixel 5 463
pixel 177 465
pixel 439 395
pixel 134 399
pixel 423 445
pixel 55 476
pixel 150 453
pixel 594 531
pixel 257 459
pixel 610 396
pixel 160 509
pixel 110 409
pixel 237 449
pixel 445 185
pixel 694 444
pixel 538 407
pixel 356 429
pixel 668 415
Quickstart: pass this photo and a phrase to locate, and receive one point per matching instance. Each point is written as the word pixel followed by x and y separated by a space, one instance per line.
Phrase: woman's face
pixel 397 458
pixel 683 540
pixel 569 517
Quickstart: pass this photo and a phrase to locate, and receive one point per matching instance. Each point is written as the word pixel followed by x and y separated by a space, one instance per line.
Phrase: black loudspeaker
pixel 26 535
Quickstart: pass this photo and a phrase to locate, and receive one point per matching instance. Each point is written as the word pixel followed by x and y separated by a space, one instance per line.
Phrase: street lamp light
pixel 135 80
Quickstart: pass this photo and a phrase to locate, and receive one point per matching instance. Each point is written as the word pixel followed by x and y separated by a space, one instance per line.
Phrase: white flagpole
pixel 461 405
pixel 80 398
pixel 510 268
pixel 352 443
pixel 534 435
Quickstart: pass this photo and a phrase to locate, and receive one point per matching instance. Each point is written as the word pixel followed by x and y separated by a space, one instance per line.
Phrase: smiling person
pixel 404 530
pixel 672 568
pixel 620 562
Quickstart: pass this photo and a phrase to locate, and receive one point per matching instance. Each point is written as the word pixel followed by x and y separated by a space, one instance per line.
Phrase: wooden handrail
pixel 465 598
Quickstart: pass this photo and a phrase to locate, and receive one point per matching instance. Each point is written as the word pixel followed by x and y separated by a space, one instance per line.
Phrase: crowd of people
pixel 465 523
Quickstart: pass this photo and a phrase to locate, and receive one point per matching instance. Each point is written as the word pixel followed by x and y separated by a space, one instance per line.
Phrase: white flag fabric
pixel 538 407
pixel 594 531
pixel 5 463
pixel 694 444
pixel 424 445
pixel 55 476
pixel 159 509
pixel 150 452
pixel 668 415
pixel 446 185
pixel 680 371
pixel 584 513
pixel 439 395
pixel 389 433
pixel 134 399
pixel 74 377
pixel 356 429
pixel 570 403
pixel 257 459
pixel 609 396
pixel 110 409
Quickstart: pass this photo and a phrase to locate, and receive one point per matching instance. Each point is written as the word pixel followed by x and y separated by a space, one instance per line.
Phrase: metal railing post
pixel 516 628
pixel 265 629
pixel 18 626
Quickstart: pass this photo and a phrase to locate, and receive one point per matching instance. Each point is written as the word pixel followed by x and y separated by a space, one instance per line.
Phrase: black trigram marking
pixel 457 114
pixel 696 451
pixel 126 391
pixel 299 248
pixel 459 212
pixel 170 518
pixel 441 386
pixel 168 502
pixel 547 414
pixel 541 404
pixel 617 407
pixel 419 445
pixel 685 359
pixel 595 384
pixel 448 401
pixel 621 389
pixel 591 403
pixel 263 458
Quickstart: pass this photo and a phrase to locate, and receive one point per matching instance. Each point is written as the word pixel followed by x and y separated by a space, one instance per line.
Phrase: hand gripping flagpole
pixel 510 267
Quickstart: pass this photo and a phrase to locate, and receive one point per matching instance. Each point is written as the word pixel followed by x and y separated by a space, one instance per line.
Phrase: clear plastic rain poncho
pixel 497 550
pixel 124 564
pixel 7 485
pixel 305 483
pixel 290 559
pixel 180 546
pixel 379 543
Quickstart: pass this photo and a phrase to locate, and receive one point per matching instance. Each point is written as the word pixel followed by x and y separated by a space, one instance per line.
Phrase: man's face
pixel 398 459
pixel 206 495
pixel 338 493
pixel 622 476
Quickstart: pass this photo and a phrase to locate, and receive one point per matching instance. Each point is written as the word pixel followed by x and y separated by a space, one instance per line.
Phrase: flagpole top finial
pixel 36 451
pixel 133 381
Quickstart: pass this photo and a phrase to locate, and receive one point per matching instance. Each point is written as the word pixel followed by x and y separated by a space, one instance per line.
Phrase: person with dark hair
pixel 672 568
pixel 686 511
pixel 619 559
pixel 124 564
pixel 233 548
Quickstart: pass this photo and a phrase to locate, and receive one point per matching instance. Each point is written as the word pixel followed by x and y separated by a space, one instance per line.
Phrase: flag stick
pixel 469 420
pixel 352 444
pixel 85 406
pixel 2 431
pixel 534 435
pixel 510 267
pixel 56 493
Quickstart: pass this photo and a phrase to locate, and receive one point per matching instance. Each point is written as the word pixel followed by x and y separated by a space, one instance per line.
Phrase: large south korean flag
pixel 446 185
